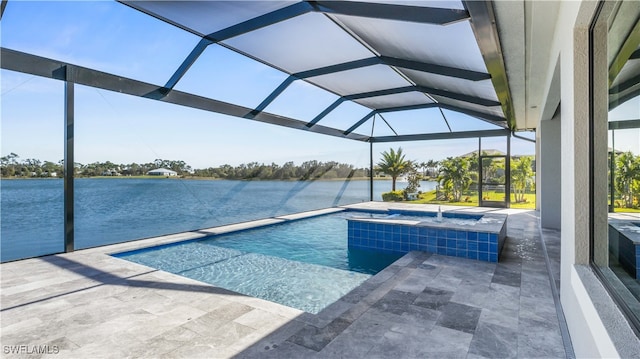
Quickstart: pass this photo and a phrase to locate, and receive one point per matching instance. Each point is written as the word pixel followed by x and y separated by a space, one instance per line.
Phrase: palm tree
pixel 455 176
pixel 394 164
pixel 627 171
pixel 521 177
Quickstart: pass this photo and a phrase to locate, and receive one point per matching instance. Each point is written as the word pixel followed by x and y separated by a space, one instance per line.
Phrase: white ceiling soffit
pixel 297 37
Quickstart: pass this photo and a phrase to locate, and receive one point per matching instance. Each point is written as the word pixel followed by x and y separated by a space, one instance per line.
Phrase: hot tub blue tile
pixel 442 242
pixel 461 244
pixel 483 256
pixel 404 247
pixel 397 246
pixel 413 231
pixel 493 247
pixel 461 235
pixel 472 254
pixel 432 241
pixel 483 237
pixel 451 233
pixel 472 246
pixel 442 250
pixel 461 253
pixel 451 243
pixel 432 249
pixel 432 232
pixel 451 251
pixel 493 257
pixel 483 247
pixel 493 237
pixel 472 236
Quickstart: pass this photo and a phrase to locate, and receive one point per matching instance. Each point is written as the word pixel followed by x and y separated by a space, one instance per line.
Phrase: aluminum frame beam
pixel 69 160
pixel 40 66
pixel 483 24
pixel 424 15
pixel 428 90
pixel 441 136
pixel 623 125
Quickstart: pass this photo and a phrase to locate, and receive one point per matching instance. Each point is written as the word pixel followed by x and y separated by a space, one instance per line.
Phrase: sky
pixel 113 38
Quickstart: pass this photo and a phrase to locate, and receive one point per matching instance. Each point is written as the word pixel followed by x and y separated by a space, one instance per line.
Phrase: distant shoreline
pixel 199 178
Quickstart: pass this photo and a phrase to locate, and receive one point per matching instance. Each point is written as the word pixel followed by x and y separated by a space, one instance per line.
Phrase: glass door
pixel 493 181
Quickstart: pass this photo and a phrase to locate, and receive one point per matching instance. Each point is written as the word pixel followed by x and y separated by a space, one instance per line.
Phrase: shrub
pixel 393 196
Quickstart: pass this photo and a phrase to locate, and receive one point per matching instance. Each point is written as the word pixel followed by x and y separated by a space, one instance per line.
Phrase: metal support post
pixel 68 163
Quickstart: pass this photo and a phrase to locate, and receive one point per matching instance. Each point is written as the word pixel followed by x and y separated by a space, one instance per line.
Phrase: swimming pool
pixel 304 264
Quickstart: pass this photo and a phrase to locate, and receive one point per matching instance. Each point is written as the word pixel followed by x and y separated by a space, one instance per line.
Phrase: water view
pixel 113 210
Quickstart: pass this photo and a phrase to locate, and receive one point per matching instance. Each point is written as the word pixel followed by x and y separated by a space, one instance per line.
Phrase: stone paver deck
pixel 89 304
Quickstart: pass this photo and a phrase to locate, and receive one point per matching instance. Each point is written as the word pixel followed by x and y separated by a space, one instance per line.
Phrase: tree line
pixel 455 175
pixel 12 166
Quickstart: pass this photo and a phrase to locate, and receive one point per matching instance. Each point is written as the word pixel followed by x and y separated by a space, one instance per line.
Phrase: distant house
pixel 162 172
pixel 110 173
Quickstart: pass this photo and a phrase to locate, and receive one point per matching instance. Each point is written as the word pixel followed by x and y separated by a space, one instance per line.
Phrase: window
pixel 615 152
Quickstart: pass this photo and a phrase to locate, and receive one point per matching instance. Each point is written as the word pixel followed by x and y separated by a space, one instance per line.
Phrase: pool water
pixel 304 264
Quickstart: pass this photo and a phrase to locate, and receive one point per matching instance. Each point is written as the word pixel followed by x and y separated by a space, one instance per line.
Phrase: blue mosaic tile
pixel 432 249
pixel 432 241
pixel 450 252
pixel 442 233
pixel 461 253
pixel 493 238
pixel 483 247
pixel 493 257
pixel 461 244
pixel 472 254
pixel 451 233
pixel 472 246
pixel 442 242
pixel 483 256
pixel 472 236
pixel 432 232
pixel 442 250
pixel 404 247
pixel 451 243
pixel 493 247
pixel 483 237
pixel 461 235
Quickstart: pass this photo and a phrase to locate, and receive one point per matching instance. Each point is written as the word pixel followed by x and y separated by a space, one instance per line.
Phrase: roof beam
pixel 256 23
pixel 441 136
pixel 359 123
pixel 483 24
pixel 351 65
pixel 326 112
pixel 493 119
pixel 283 86
pixel 424 89
pixel 259 22
pixel 420 14
pixel 3 5
pixel 436 69
pixel 35 65
pixel 625 124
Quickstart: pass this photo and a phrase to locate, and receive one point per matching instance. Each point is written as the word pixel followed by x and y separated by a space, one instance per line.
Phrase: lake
pixel 113 210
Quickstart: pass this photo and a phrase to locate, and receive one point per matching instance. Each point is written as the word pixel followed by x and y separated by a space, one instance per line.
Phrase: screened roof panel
pixel 123 41
pixel 425 3
pixel 395 100
pixel 364 79
pixel 207 17
pixel 234 78
pixel 309 101
pixel 481 89
pixel 451 45
pixel 495 110
pixel 462 122
pixel 345 115
pixel 417 121
pixel 302 43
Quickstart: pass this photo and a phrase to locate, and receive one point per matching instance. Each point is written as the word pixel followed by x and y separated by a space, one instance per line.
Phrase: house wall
pixel 596 325
pixel 550 173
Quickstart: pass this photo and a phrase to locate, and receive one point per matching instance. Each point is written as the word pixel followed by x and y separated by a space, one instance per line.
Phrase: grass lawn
pixel 627 210
pixel 472 199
